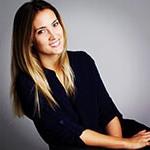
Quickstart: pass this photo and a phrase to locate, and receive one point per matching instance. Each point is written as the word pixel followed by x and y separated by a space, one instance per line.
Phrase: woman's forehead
pixel 44 16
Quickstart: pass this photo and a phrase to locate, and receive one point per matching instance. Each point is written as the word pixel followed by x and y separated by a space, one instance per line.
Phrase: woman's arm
pixel 93 138
pixel 113 128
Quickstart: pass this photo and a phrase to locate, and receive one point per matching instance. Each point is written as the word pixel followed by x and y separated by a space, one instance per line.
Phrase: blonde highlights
pixel 23 59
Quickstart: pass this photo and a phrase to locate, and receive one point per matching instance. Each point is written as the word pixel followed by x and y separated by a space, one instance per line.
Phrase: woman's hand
pixel 92 138
pixel 140 140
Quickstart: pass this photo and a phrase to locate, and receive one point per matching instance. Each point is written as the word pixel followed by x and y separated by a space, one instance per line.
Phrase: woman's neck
pixel 50 62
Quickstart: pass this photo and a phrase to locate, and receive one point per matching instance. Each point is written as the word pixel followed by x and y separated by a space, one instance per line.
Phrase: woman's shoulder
pixel 79 55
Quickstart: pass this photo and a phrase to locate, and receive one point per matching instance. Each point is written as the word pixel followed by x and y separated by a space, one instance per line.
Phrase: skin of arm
pixel 92 138
pixel 113 128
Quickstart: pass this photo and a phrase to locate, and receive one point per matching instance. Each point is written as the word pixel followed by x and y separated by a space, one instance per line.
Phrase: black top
pixel 91 107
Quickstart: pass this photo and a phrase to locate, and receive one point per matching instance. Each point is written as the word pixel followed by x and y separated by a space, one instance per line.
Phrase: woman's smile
pixel 55 43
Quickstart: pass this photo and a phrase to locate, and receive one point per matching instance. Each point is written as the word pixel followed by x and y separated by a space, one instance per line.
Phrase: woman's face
pixel 48 36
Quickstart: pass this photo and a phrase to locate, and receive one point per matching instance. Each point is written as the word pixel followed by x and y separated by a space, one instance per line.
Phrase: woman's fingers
pixel 139 133
pixel 147 136
pixel 141 139
pixel 147 133
pixel 143 132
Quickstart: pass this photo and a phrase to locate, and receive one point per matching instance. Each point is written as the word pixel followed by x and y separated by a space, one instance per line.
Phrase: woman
pixel 61 91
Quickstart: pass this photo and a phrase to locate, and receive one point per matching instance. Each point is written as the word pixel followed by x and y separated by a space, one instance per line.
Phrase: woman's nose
pixel 52 34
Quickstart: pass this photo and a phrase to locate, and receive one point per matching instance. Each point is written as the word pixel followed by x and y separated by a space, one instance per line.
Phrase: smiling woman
pixel 48 34
pixel 61 91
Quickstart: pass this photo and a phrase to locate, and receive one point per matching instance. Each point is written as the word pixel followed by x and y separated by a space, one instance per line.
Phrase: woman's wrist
pixel 126 143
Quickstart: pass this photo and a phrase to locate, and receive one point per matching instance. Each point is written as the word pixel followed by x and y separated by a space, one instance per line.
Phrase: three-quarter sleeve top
pixel 90 108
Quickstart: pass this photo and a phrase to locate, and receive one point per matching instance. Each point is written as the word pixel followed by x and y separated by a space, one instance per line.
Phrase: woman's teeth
pixel 55 44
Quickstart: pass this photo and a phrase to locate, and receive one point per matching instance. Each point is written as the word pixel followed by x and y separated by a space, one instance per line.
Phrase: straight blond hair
pixel 23 59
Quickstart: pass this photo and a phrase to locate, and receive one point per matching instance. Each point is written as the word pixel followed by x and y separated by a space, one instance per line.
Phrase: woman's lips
pixel 55 43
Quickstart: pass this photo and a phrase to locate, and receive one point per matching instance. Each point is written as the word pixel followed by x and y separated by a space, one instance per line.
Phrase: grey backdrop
pixel 116 33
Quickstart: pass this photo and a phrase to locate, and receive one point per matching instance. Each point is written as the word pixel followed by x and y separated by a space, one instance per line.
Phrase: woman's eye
pixel 55 24
pixel 41 31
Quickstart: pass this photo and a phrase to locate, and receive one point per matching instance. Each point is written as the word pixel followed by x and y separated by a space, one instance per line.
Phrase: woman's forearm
pixel 113 128
pixel 92 138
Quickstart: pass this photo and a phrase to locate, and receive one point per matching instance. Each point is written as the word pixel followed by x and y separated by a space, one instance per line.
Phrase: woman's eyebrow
pixel 54 21
pixel 43 27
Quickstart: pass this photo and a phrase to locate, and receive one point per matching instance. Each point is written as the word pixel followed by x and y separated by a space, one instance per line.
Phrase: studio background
pixel 116 33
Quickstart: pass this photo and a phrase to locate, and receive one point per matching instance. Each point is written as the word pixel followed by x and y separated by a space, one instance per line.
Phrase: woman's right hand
pixel 139 140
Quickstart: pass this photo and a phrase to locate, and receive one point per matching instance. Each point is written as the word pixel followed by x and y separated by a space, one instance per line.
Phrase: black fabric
pixel 90 108
pixel 130 127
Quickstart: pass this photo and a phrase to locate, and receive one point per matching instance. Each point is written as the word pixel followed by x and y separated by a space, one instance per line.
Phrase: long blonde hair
pixel 23 59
